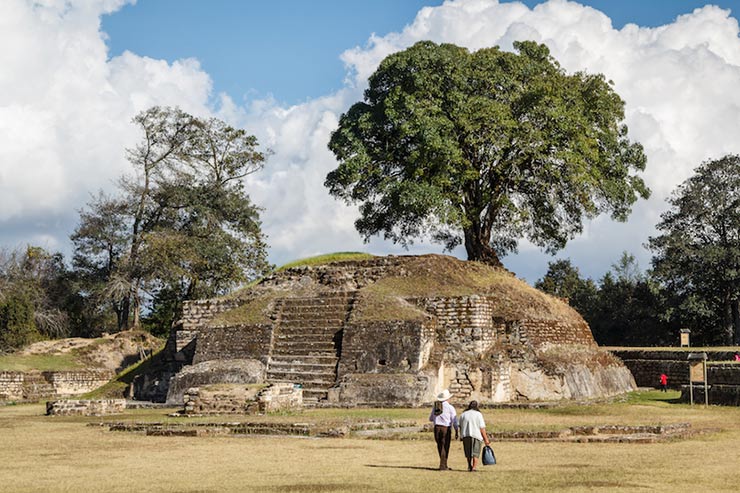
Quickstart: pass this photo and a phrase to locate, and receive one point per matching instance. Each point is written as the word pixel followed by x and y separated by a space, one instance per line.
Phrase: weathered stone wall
pixel 238 371
pixel 646 367
pixel 243 399
pixel 235 342
pixel 43 385
pixel 385 347
pixel 11 385
pixel 101 407
pixel 719 395
pixel 543 332
pixel 382 390
pixel 279 397
pixel 346 276
pixel 78 382
pixel 467 320
pixel 195 316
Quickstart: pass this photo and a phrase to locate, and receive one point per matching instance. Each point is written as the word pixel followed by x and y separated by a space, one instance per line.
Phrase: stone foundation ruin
pixel 390 331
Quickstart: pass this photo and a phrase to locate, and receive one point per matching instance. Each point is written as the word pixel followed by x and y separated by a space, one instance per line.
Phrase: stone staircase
pixel 307 342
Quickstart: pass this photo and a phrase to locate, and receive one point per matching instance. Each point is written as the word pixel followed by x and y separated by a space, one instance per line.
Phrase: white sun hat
pixel 444 395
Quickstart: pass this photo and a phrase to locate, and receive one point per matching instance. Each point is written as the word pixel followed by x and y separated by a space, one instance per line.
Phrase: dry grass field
pixel 39 453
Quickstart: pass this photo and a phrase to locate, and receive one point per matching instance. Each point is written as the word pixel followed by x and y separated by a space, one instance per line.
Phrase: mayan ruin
pixel 390 331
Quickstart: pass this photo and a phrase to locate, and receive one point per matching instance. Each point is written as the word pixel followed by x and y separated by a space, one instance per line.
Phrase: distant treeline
pixel 694 279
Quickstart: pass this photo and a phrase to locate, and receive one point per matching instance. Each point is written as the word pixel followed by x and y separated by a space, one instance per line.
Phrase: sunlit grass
pixel 325 259
pixel 39 453
pixel 41 362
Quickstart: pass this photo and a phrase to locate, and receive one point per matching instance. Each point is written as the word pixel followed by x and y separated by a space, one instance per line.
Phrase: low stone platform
pixel 600 434
pixel 243 399
pixel 83 407
pixel 331 430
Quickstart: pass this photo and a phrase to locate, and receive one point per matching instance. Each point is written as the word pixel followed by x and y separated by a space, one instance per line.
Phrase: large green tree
pixel 697 253
pixel 182 226
pixel 484 148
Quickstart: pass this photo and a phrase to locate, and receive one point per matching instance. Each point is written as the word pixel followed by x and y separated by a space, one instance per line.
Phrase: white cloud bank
pixel 65 108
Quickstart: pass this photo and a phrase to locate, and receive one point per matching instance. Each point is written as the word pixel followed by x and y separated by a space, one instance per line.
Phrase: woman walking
pixel 444 417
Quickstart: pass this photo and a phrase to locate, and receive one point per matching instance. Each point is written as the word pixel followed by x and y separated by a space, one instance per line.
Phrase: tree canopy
pixel 182 226
pixel 697 253
pixel 483 149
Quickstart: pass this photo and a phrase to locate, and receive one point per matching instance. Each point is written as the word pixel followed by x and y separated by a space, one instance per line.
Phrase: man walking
pixel 444 417
pixel 473 431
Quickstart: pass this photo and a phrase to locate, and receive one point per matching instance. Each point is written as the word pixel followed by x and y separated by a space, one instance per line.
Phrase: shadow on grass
pixel 420 468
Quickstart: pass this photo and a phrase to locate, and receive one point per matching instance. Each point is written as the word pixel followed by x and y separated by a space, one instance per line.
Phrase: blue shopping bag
pixel 488 456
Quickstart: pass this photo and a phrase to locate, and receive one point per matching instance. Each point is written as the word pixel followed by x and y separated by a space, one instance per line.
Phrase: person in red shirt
pixel 664 382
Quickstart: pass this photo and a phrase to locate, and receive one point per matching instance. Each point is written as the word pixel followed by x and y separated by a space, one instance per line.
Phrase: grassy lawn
pixel 39 453
pixel 42 362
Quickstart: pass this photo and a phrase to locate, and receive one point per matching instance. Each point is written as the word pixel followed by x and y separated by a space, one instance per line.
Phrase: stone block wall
pixel 235 342
pixel 646 367
pixel 467 320
pixel 243 399
pixel 36 385
pixel 78 382
pixel 103 407
pixel 344 276
pixel 196 315
pixel 721 395
pixel 383 390
pixel 11 385
pixel 385 346
pixel 280 397
pixel 541 332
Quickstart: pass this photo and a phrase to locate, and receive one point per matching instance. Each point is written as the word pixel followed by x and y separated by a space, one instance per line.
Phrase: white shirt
pixel 471 421
pixel 447 418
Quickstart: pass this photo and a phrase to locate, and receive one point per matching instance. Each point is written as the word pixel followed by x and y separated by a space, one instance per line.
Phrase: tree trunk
pixel 736 322
pixel 478 248
pixel 136 308
pixel 727 322
pixel 123 318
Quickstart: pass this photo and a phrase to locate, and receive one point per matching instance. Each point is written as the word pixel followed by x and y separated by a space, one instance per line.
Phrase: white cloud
pixel 679 82
pixel 65 110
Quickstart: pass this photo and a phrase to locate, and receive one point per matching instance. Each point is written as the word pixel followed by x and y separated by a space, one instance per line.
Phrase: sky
pixel 75 72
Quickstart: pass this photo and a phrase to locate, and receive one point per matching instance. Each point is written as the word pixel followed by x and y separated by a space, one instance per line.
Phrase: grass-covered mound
pixel 112 352
pixel 405 277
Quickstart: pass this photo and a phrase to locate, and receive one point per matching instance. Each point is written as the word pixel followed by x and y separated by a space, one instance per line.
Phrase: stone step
pixel 335 298
pixel 327 332
pixel 301 366
pixel 313 396
pixel 338 306
pixel 305 355
pixel 315 379
pixel 285 360
pixel 307 385
pixel 315 345
pixel 299 321
pixel 298 370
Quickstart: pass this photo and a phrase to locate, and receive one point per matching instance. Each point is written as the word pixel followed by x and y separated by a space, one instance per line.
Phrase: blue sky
pixel 290 48
pixel 76 71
